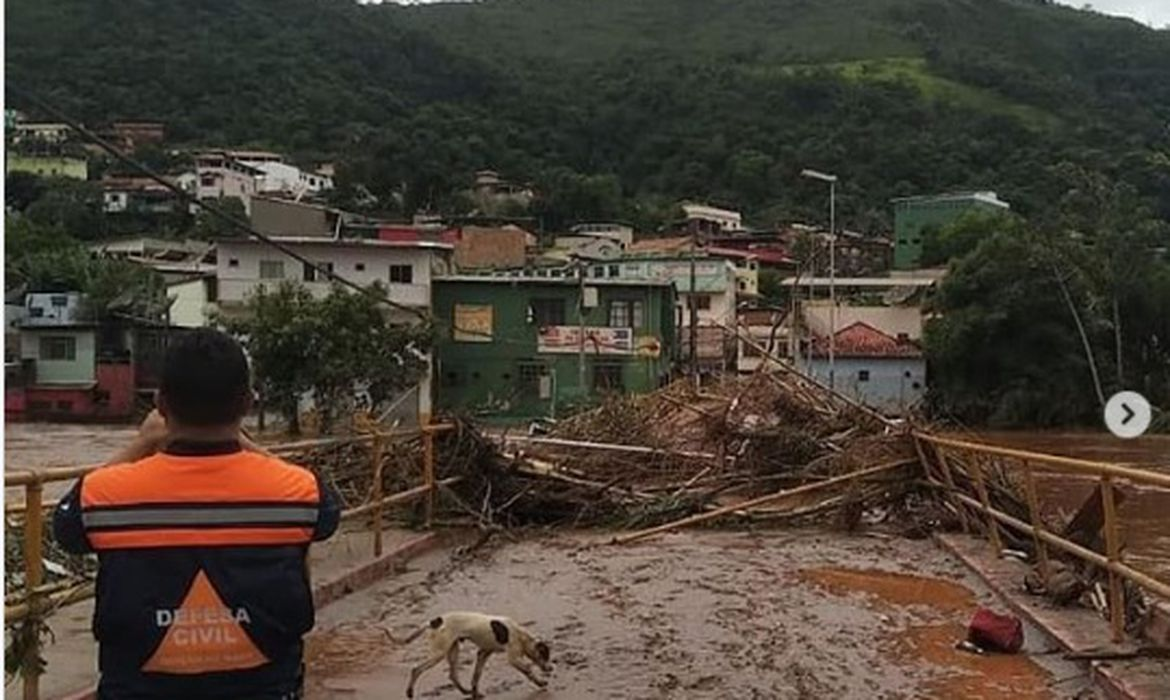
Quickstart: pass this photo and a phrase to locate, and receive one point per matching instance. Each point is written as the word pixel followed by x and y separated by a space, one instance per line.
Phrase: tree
pixel 278 333
pixel 1002 348
pixel 331 348
pixel 942 245
pixel 72 206
pixel 771 288
pixel 43 259
pixel 22 189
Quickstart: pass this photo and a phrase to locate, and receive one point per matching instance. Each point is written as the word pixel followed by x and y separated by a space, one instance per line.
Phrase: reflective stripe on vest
pixel 171 501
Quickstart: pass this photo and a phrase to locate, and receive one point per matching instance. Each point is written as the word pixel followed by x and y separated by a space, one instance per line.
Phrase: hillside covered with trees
pixel 619 107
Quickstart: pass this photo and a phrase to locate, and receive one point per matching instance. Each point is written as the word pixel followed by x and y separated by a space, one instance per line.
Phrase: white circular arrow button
pixel 1127 414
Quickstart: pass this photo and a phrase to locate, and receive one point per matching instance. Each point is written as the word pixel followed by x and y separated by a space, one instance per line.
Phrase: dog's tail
pixel 433 625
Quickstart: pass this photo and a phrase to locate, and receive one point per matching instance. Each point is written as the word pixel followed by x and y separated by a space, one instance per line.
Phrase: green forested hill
pixel 616 107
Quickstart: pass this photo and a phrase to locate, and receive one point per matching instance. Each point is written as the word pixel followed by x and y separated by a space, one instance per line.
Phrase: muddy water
pixel 1148 450
pixel 1145 514
pixel 699 615
pixel 31 446
pixel 937 609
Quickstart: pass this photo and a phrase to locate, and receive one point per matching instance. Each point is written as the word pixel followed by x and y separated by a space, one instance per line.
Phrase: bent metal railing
pixel 37 600
pixel 961 470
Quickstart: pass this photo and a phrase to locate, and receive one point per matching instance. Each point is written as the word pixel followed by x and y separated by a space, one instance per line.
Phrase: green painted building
pixel 509 347
pixel 47 166
pixel 914 217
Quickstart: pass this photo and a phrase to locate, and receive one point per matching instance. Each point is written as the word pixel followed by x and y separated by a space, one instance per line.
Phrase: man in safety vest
pixel 202 539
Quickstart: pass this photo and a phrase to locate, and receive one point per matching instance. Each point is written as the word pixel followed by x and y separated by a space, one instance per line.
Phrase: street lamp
pixel 832 180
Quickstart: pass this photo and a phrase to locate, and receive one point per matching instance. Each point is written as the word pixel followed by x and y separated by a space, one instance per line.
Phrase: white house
pixel 45 132
pixel 282 178
pixel 712 219
pixel 405 269
pixel 218 174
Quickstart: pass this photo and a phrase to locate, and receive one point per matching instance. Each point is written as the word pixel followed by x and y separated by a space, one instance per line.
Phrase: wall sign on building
pixel 599 340
pixel 648 346
pixel 473 323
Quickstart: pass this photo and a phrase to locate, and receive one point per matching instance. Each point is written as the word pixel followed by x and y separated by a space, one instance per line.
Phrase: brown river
pixel 1145 513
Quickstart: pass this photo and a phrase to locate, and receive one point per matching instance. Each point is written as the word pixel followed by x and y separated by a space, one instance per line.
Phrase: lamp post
pixel 832 180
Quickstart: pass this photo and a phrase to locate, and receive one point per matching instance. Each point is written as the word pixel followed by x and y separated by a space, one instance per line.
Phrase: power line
pixel 189 199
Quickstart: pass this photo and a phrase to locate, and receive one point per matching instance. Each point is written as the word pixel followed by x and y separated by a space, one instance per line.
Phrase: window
pixel 607 376
pixel 36 312
pixel 360 267
pixel 60 348
pixel 212 290
pixel 863 375
pixel 312 274
pixel 903 337
pixel 702 302
pixel 529 378
pixel 58 300
pixel 598 271
pixel 615 271
pixel 207 180
pixel 619 314
pixel 548 312
pixel 916 385
pixel 234 262
pixel 625 314
pixel 401 274
pixel 271 269
pixel 742 286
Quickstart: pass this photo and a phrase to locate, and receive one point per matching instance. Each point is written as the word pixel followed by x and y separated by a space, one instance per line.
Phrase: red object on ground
pixel 995 632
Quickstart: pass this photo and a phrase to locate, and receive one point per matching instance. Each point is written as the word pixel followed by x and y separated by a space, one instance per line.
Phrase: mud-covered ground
pixel 795 614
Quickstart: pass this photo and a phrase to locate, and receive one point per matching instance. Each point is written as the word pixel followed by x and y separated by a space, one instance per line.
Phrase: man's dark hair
pixel 205 380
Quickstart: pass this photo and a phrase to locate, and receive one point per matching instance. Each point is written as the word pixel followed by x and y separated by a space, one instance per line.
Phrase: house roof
pixel 341 242
pixel 859 339
pixel 560 281
pixel 985 196
pixel 298 204
pixel 131 182
pixel 879 282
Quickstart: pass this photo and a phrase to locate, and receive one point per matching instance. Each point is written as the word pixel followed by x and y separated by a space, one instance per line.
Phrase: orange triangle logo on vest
pixel 203 635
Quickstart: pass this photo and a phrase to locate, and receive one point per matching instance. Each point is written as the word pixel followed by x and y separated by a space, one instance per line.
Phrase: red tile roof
pixel 863 340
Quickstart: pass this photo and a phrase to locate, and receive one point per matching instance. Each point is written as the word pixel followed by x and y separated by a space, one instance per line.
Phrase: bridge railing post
pixel 34 575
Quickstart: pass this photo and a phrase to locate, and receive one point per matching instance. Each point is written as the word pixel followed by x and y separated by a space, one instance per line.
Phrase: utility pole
pixel 832 180
pixel 693 315
pixel 833 283
pixel 581 326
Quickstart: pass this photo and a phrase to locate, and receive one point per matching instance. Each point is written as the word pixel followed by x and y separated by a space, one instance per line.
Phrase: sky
pixel 1155 13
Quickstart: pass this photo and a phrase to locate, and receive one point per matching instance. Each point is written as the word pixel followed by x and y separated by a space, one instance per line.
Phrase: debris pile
pixel 60 566
pixel 636 461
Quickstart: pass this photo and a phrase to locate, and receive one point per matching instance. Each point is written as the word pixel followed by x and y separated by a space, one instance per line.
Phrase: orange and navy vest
pixel 202 586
